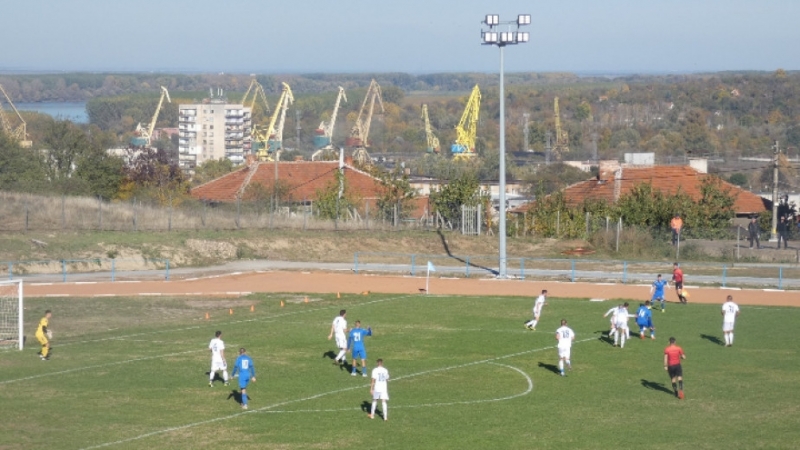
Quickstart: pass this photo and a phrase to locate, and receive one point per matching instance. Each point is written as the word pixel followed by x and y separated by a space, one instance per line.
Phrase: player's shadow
pixel 330 354
pixel 710 338
pixel 605 337
pixel 236 396
pixel 346 366
pixel 551 367
pixel 366 406
pixel 656 386
pixel 217 377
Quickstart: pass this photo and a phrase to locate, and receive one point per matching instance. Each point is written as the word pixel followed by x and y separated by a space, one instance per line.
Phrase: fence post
pixel 355 262
pixel 10 270
pixel 738 232
pixel 203 214
pixel 619 226
pixel 167 275
pixel 113 269
pixel 724 274
pixel 305 215
pixel 522 268
pixel 607 219
pixel 135 226
pixel 169 219
pixel 573 270
pixel 588 229
pixel 99 213
pixel 238 211
pixel 558 223
pixel 64 270
pixel 412 264
pixel 366 214
pixel 63 211
pixel 780 277
pixel 26 216
pixel 395 220
pixel 466 271
pixel 624 272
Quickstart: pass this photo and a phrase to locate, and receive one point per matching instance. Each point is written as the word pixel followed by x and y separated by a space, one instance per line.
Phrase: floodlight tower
pixel 492 36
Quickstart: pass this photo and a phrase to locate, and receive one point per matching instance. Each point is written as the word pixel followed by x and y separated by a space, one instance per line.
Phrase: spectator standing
pixel 783 233
pixel 754 230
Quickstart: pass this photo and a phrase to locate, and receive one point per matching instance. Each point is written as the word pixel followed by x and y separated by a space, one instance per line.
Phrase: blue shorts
pixel 657 296
pixel 359 353
pixel 243 382
pixel 648 324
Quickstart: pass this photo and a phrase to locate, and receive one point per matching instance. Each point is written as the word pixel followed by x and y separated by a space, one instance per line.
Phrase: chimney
pixel 617 183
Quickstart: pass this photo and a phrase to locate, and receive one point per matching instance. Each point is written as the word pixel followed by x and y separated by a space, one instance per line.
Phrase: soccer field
pixel 130 373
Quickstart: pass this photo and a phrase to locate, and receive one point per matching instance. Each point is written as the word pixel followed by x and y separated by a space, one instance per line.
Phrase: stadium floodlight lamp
pixel 507 37
pixel 490 37
pixel 523 36
pixel 492 20
pixel 523 19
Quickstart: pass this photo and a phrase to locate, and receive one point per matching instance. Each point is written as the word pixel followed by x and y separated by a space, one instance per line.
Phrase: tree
pixel 63 143
pixel 211 170
pixel 739 179
pixel 397 192
pixel 20 169
pixel 335 198
pixel 695 134
pixel 102 172
pixel 448 199
pixel 153 175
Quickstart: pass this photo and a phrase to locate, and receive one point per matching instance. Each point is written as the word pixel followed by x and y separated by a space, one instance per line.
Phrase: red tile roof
pixel 667 179
pixel 303 178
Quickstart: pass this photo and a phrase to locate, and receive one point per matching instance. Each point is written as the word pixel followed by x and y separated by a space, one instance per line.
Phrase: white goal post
pixel 11 310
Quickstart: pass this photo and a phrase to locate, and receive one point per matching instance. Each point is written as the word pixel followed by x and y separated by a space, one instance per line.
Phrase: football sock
pixel 211 376
pixel 616 337
pixel 374 403
pixel 569 364
pixel 244 399
pixel 364 370
pixel 675 387
pixel 45 351
pixel 385 410
pixel 533 323
pixel 731 338
pixel 622 340
pixel 341 355
pixel 680 384
pixel 225 376
pixel 561 365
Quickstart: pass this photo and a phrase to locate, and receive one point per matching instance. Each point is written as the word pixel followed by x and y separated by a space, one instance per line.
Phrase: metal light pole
pixel 501 39
pixel 774 235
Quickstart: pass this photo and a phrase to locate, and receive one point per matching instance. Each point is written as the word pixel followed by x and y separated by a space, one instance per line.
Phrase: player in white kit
pixel 537 310
pixel 613 313
pixel 217 348
pixel 730 311
pixel 339 329
pixel 379 389
pixel 564 336
pixel 622 332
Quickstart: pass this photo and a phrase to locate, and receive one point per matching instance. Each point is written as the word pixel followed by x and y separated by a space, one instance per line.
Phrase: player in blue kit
pixel 658 291
pixel 355 343
pixel 644 318
pixel 246 371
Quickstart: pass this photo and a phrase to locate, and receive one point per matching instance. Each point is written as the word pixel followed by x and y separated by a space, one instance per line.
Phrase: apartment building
pixel 213 129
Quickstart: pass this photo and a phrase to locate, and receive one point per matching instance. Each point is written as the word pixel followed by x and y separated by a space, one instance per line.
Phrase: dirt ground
pixel 350 283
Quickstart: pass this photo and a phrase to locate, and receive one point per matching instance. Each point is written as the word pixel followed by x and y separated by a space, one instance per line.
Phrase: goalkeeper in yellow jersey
pixel 43 335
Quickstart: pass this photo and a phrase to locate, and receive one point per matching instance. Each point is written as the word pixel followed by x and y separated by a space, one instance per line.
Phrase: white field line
pixel 98 366
pixel 259 319
pixel 323 394
pixel 428 405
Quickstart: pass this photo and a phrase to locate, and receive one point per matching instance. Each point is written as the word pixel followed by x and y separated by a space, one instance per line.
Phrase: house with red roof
pixel 610 186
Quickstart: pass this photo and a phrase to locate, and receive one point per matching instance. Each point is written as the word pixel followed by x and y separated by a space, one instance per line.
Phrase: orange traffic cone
pixel 281 303
pixel 230 311
pixel 305 300
pixel 252 308
pixel 206 316
pixel 338 295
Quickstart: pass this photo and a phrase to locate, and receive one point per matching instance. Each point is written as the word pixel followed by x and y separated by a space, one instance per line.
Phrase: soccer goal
pixel 11 308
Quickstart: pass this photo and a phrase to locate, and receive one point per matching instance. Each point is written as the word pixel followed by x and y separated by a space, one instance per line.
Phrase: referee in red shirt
pixel 677 278
pixel 673 355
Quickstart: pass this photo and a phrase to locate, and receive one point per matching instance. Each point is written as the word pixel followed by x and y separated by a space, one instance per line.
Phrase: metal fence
pixel 77 269
pixel 778 276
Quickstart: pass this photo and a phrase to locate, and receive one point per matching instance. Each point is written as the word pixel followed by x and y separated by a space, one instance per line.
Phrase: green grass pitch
pixel 130 373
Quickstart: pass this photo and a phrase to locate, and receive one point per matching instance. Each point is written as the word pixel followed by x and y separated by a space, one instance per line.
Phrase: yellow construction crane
pixel 18 133
pixel 323 139
pixel 431 139
pixel 562 138
pixel 258 93
pixel 467 128
pixel 145 134
pixel 359 134
pixel 274 132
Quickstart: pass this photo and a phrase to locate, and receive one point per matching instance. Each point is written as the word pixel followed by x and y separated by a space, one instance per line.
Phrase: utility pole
pixel 547 149
pixel 525 132
pixel 297 128
pixel 594 149
pixel 774 235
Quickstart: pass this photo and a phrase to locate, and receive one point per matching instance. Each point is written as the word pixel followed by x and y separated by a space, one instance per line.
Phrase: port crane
pixel 430 138
pixel 562 138
pixel 145 134
pixel 359 134
pixel 270 140
pixel 467 128
pixel 18 133
pixel 323 140
pixel 250 101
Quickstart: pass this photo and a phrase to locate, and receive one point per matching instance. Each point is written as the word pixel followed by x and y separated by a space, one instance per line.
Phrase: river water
pixel 75 112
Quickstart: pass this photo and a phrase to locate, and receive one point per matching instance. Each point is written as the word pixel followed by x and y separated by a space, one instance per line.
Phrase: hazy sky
pixel 417 36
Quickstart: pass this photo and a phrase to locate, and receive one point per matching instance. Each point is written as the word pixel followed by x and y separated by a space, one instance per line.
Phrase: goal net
pixel 11 308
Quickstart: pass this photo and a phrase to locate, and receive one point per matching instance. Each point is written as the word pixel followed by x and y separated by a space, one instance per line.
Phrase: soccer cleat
pixel 663 310
pixel 563 374
pixel 210 384
pixel 680 395
pixel 363 374
pixel 227 384
pixel 653 338
pixel 244 406
pixel 371 416
pixel 353 374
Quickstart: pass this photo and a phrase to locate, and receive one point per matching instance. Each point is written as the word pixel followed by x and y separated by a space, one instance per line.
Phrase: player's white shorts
pixel 378 395
pixel 537 311
pixel 727 326
pixel 218 364
pixel 622 325
pixel 564 352
pixel 341 341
